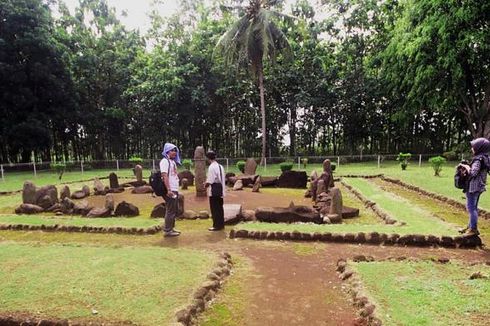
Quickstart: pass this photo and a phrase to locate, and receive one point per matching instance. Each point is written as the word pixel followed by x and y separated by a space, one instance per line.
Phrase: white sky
pixel 137 10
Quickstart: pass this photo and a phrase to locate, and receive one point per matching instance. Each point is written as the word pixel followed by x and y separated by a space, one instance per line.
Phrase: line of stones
pixel 206 292
pixel 375 238
pixel 366 308
pixel 82 229
pixel 484 214
pixel 371 205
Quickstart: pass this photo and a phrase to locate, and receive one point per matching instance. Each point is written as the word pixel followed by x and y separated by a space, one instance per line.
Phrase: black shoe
pixel 215 229
pixel 171 234
pixel 175 230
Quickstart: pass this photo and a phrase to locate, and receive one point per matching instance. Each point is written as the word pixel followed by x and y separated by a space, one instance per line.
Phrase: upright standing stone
pixel 138 172
pixel 200 171
pixel 29 193
pixel 109 202
pixel 250 166
pixel 113 181
pixel 65 192
pixel 257 185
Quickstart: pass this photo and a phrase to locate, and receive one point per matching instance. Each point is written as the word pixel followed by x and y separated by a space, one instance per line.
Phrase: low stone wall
pixel 371 205
pixel 206 292
pixel 375 238
pixel 82 229
pixel 483 213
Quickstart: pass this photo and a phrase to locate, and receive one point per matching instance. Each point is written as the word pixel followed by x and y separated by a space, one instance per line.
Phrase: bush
pixel 403 159
pixel 59 167
pixel 286 166
pixel 333 166
pixel 304 161
pixel 241 166
pixel 135 159
pixel 187 164
pixel 450 156
pixel 437 162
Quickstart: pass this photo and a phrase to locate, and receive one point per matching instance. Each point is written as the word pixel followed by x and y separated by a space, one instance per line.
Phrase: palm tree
pixel 253 39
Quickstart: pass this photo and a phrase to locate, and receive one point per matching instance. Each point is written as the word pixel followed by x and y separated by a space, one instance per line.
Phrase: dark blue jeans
pixel 472 207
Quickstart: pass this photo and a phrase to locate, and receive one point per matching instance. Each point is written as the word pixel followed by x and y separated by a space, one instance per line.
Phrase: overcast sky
pixel 137 10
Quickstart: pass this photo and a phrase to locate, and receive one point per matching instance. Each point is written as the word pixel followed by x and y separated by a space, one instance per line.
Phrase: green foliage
pixel 135 160
pixel 187 164
pixel 403 159
pixel 59 168
pixel 241 166
pixel 286 166
pixel 437 162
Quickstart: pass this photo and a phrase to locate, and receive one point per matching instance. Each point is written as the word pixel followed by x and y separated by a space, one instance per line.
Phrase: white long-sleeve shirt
pixel 216 174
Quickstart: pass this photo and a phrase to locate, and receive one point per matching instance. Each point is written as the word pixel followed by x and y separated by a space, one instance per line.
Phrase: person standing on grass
pixel 168 168
pixel 477 173
pixel 215 184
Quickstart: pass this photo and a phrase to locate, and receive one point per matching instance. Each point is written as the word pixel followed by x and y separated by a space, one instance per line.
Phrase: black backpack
pixel 461 178
pixel 156 182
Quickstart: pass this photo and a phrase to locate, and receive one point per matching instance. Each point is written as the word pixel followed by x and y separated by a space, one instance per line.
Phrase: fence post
pixel 265 163
pixel 227 165
pixel 338 161
pixel 1 169
pixel 299 165
pixel 34 167
pixel 117 165
pixel 462 156
pixel 153 165
pixel 379 161
pixel 81 166
pixel 420 160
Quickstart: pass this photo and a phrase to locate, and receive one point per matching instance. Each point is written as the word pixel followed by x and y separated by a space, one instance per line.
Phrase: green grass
pixel 142 285
pixel 417 219
pixel 139 222
pixel 425 293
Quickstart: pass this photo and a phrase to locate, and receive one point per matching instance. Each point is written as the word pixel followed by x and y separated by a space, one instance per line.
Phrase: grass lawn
pixel 425 293
pixel 418 220
pixel 143 285
pixel 139 222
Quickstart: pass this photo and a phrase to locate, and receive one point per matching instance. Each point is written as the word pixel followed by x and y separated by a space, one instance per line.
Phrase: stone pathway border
pixel 82 229
pixel 370 204
pixel 375 238
pixel 206 292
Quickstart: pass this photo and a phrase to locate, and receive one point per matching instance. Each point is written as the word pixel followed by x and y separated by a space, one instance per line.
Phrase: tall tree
pixel 252 40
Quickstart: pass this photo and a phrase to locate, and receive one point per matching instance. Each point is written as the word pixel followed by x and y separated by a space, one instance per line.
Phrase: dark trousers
pixel 171 206
pixel 217 212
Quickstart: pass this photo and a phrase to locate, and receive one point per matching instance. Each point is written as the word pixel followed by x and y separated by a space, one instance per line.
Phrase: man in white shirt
pixel 168 168
pixel 215 184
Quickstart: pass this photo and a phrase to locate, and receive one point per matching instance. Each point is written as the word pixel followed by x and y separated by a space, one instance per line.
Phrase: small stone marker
pixel 233 213
pixel 250 166
pixel 200 171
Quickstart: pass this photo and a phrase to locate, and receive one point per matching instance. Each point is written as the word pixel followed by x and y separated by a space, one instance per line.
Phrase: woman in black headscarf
pixel 477 172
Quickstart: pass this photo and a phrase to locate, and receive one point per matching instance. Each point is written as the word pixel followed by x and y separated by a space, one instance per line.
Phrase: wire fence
pixel 228 163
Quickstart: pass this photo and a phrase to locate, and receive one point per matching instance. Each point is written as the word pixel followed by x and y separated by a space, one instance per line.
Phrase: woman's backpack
pixel 461 178
pixel 157 184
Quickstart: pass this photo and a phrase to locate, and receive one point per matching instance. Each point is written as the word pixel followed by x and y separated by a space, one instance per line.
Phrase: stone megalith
pixel 200 171
pixel 185 184
pixel 138 172
pixel 257 185
pixel 113 181
pixel 65 192
pixel 109 202
pixel 250 166
pixel 29 193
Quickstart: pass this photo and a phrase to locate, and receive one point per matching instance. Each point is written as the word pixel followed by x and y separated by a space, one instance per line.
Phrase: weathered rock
pixel 292 179
pixel 257 185
pixel 126 209
pixel 290 214
pixel 238 185
pixel 29 193
pixel 82 208
pixel 180 205
pixel 186 174
pixel 227 178
pixel 189 215
pixel 29 209
pixel 334 218
pixel 99 212
pixel 109 202
pixel 78 194
pixel 268 181
pixel 142 190
pixel 65 192
pixel 158 211
pixel 99 189
pixel 250 167
pixel 45 202
pixel 46 196
pixel 113 181
pixel 200 171
pixel 313 176
pixel 247 180
pixel 203 215
pixel 86 190
pixel 336 203
pixel 67 205
pixel 248 215
pixel 184 184
pixel 232 213
pixel 138 173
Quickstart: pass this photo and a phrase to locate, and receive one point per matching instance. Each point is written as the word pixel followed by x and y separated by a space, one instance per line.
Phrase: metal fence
pixel 116 165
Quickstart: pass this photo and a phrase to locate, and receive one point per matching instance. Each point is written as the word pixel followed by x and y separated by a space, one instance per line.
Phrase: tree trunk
pixel 262 112
pixel 292 132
